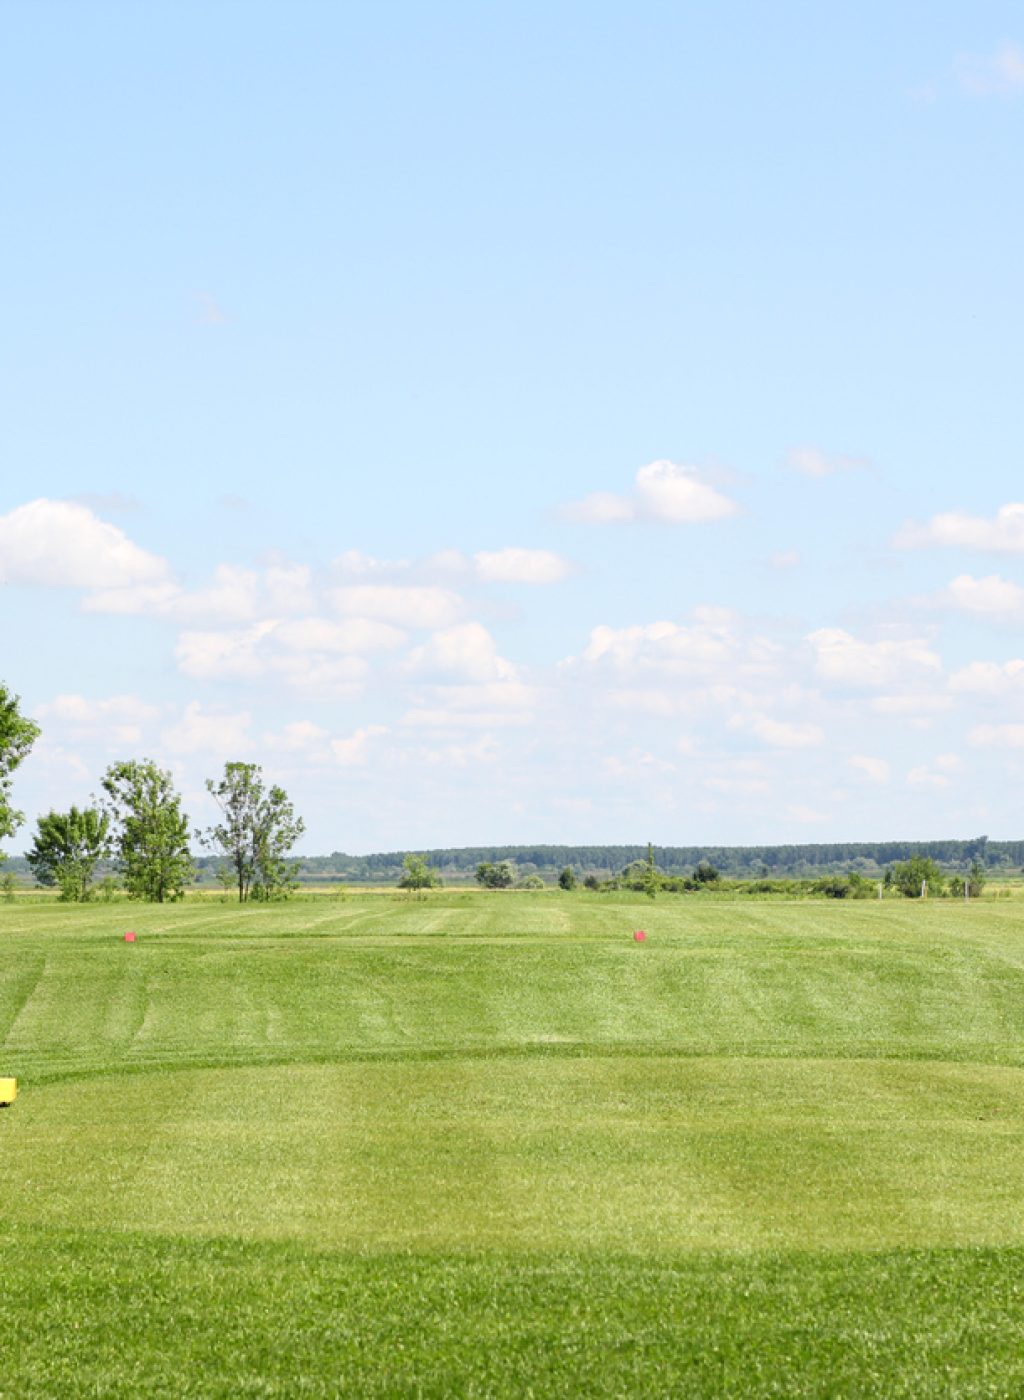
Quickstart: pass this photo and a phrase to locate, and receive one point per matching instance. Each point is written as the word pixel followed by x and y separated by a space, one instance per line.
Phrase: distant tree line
pixel 868 859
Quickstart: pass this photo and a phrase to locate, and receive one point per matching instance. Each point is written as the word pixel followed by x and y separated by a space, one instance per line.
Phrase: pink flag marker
pixel 639 935
pixel 129 936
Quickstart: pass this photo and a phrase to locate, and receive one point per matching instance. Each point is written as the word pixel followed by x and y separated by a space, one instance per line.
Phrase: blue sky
pixel 544 423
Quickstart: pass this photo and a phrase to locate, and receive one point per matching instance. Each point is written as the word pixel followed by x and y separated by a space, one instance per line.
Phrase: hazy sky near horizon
pixel 564 422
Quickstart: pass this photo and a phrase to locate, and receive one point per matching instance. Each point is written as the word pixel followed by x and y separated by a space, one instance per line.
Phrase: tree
pixel 258 830
pixel 17 735
pixel 417 874
pixel 151 831
pixel 67 848
pixel 567 878
pixel 706 874
pixel 499 876
pixel 976 879
pixel 532 882
pixel 910 875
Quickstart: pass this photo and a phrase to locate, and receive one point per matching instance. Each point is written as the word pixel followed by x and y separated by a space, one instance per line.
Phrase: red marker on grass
pixel 130 936
pixel 639 935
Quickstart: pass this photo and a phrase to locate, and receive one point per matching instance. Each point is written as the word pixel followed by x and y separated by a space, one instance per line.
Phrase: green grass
pixel 487 1145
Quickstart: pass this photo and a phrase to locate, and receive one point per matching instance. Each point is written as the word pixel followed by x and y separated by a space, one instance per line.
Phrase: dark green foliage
pixel 499 876
pixel 706 874
pixel 869 858
pixel 67 848
pixel 909 875
pixel 567 878
pixel 418 875
pixel 151 831
pixel 258 830
pixel 17 735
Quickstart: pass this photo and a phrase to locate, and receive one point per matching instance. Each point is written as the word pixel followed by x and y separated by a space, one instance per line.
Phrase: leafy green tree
pixel 17 735
pixel 67 848
pixel 567 878
pixel 706 874
pixel 258 830
pixel 532 882
pixel 417 874
pixel 909 875
pixel 152 831
pixel 496 876
pixel 976 879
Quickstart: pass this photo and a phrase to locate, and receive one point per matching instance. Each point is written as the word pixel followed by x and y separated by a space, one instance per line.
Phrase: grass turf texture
pixel 484 1145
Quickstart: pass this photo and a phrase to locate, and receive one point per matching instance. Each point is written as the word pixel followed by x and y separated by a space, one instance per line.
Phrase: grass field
pixel 482 1144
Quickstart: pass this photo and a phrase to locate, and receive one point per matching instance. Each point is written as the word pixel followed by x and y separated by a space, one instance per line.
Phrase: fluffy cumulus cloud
pixel 872 770
pixel 418 605
pixel 781 734
pixel 208 732
pixel 1002 533
pixel 521 566
pixel 120 719
pixel 990 678
pixel 467 652
pixel 354 750
pixel 63 544
pixel 991 597
pixel 851 661
pixel 307 658
pixel 488 705
pixel 664 491
pixel 709 643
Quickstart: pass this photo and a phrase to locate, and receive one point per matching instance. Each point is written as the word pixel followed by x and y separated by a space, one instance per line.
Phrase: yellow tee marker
pixel 8 1092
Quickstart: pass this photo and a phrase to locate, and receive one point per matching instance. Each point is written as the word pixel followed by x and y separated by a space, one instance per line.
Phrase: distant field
pixel 476 1144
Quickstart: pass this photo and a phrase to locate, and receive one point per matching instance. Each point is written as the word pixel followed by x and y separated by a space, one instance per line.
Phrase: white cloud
pixel 666 646
pixel 912 705
pixel 355 564
pixel 522 566
pixel 414 606
pixel 1003 534
pixel 780 734
pixel 493 705
pixel 988 678
pixel 63 544
pixel 119 719
pixel 875 770
pixel 351 752
pixel 924 777
pixel 270 649
pixel 992 596
pixel 999 736
pixel 467 651
pixel 289 588
pixel 809 816
pixel 235 595
pixel 848 660
pixel 297 737
pixel 664 491
pixel 1000 73
pixel 210 655
pixel 812 462
pixel 202 731
pixel 354 635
